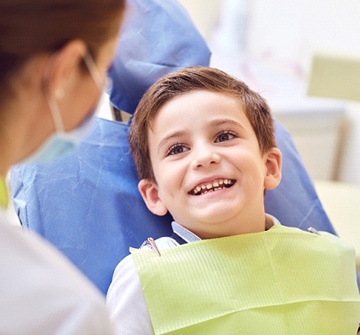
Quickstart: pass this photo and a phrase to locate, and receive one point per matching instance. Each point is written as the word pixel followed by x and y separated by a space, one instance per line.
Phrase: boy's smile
pixel 216 185
pixel 210 173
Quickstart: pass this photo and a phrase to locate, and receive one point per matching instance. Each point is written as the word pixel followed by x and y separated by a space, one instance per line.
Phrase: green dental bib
pixel 282 281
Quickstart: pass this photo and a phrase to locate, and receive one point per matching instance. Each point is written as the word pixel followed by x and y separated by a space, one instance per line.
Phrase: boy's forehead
pixel 184 103
pixel 204 107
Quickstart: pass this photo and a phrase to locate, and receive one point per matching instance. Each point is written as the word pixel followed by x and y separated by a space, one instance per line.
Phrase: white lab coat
pixel 41 292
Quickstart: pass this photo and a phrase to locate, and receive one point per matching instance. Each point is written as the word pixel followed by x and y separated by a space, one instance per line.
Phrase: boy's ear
pixel 149 192
pixel 273 168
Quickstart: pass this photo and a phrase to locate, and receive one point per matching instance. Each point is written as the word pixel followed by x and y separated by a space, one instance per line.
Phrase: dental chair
pixel 87 204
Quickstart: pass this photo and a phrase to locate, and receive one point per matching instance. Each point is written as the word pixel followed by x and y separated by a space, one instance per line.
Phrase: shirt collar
pixel 184 233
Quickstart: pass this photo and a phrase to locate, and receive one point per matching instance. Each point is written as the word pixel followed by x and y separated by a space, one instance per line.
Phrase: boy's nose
pixel 205 157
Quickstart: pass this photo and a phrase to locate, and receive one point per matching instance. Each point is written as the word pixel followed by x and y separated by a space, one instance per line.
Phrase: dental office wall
pixel 280 37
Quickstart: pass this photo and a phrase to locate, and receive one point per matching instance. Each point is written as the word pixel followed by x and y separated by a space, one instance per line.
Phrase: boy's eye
pixel 176 149
pixel 225 136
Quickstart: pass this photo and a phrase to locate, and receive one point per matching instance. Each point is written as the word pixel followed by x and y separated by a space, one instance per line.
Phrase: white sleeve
pixel 126 301
pixel 42 292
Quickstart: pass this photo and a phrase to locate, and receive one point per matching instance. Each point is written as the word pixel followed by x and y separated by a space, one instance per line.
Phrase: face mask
pixel 61 143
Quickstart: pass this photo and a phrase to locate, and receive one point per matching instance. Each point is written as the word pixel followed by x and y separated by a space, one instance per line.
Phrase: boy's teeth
pixel 216 185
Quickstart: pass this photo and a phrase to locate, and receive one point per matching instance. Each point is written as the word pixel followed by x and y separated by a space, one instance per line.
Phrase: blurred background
pixel 270 44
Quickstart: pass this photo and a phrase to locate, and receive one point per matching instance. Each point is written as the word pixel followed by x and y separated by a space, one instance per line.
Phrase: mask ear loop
pixel 93 70
pixel 59 93
pixel 56 115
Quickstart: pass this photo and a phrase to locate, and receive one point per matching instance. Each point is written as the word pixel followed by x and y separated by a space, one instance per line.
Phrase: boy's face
pixel 210 173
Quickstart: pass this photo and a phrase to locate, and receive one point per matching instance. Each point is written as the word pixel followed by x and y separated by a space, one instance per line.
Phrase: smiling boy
pixel 210 164
pixel 204 147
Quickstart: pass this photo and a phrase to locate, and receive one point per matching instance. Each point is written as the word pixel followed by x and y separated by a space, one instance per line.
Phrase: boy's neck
pixel 190 236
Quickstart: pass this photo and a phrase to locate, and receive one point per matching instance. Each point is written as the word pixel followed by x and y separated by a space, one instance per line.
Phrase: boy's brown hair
pixel 187 80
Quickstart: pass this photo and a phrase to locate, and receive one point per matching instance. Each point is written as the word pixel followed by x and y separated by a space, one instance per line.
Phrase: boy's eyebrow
pixel 170 136
pixel 219 122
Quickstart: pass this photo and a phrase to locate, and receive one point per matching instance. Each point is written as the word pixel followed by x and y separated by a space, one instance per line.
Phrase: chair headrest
pixel 157 37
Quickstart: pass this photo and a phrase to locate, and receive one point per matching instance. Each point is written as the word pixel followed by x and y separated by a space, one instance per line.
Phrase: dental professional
pixel 53 60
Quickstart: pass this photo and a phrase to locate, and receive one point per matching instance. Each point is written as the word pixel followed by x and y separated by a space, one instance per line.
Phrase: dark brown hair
pixel 30 27
pixel 187 80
